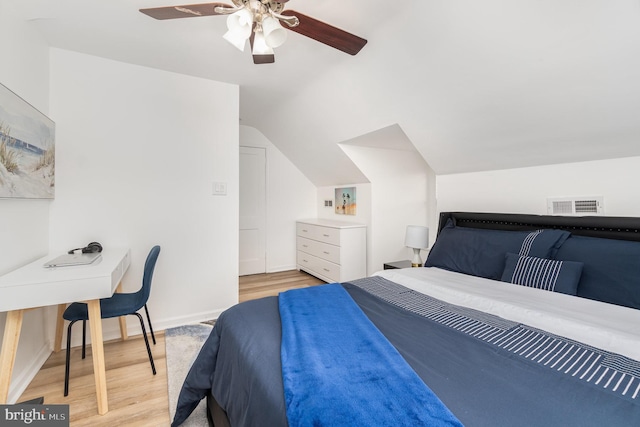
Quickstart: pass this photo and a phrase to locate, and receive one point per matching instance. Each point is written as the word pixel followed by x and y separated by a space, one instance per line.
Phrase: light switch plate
pixel 219 188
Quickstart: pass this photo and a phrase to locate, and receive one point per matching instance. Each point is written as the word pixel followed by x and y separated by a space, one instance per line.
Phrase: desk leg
pixel 122 319
pixel 57 344
pixel 97 350
pixel 8 352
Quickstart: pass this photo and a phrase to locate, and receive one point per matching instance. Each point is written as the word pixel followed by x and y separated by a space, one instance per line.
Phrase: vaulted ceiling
pixel 473 85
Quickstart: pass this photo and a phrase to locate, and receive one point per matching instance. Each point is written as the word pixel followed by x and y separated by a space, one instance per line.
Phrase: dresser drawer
pixel 306 245
pixel 328 269
pixel 316 232
pixel 317 266
pixel 307 261
pixel 319 249
pixel 306 230
pixel 328 235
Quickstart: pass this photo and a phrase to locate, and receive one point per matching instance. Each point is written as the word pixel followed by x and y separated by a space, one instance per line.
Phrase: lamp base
pixel 416 261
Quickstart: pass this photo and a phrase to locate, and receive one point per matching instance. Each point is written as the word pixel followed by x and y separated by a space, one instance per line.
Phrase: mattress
pixel 607 326
pixel 447 328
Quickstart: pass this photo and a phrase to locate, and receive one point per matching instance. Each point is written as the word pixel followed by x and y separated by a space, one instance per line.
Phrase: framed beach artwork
pixel 346 201
pixel 27 149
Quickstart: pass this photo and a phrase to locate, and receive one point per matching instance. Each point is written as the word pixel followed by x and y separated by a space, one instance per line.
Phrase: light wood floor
pixel 263 285
pixel 136 397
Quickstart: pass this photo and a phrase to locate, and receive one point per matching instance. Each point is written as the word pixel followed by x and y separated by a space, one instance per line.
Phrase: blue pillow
pixel 542 273
pixel 611 271
pixel 481 252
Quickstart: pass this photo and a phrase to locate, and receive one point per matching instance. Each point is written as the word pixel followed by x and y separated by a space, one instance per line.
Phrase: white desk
pixel 34 286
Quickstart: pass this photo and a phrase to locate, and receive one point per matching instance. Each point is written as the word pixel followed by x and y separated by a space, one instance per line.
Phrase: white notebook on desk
pixel 73 259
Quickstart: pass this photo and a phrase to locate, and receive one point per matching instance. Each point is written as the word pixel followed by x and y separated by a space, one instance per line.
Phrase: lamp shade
pixel 236 38
pixel 241 22
pixel 273 32
pixel 260 46
pixel 417 237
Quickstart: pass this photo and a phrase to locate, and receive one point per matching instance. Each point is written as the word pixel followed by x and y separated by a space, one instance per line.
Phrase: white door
pixel 252 210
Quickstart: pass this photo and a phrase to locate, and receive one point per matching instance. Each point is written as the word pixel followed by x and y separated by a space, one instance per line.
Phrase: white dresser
pixel 334 251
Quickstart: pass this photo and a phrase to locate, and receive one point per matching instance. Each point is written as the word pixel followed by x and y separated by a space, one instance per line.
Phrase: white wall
pixel 24 234
pixel 290 196
pixel 137 152
pixel 399 197
pixel 525 190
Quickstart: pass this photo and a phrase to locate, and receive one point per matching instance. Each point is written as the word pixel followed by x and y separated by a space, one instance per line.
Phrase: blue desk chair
pixel 119 304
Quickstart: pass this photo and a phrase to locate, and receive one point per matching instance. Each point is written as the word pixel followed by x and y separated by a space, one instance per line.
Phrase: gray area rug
pixel 182 346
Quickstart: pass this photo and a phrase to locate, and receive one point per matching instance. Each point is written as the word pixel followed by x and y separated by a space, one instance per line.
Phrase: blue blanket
pixel 483 384
pixel 338 369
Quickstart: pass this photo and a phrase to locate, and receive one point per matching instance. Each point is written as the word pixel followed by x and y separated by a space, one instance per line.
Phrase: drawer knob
pixel 325 235
pixel 326 269
pixel 326 253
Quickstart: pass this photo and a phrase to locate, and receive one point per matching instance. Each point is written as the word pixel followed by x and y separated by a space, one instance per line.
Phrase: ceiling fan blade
pixel 325 33
pixel 184 11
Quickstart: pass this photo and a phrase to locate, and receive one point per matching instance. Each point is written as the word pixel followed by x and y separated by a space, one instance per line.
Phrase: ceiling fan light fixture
pixel 260 46
pixel 273 32
pixel 241 22
pixel 267 22
pixel 236 38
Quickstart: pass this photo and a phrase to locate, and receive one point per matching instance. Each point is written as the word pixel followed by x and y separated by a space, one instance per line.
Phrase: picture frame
pixel 345 201
pixel 27 149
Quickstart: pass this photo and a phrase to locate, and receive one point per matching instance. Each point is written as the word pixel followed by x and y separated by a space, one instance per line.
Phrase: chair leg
pixel 84 338
pixel 146 341
pixel 149 322
pixel 68 361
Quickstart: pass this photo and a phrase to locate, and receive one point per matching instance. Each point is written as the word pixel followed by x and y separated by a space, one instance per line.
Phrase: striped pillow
pixel 542 273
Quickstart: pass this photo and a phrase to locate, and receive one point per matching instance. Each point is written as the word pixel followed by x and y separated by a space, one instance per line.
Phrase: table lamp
pixel 416 238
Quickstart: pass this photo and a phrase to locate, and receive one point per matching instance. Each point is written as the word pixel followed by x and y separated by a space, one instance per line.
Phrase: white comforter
pixel 605 326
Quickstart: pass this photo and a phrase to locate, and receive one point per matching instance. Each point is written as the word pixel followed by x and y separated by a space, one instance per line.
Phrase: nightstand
pixel 397 264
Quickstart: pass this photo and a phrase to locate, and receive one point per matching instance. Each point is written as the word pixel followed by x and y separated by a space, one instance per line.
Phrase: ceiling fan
pixel 259 21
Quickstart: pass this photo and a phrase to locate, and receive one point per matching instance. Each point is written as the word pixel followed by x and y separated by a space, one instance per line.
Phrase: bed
pixel 514 320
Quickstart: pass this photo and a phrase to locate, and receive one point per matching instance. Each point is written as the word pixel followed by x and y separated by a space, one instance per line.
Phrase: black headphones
pixel 90 248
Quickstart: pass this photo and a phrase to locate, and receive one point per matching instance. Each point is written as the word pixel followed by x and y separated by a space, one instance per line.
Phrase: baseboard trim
pixel 186 320
pixel 281 268
pixel 111 328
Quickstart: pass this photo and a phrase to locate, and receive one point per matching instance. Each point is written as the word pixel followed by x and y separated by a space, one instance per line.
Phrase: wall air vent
pixel 575 206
